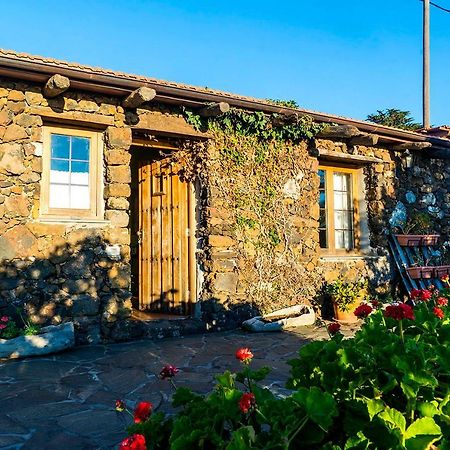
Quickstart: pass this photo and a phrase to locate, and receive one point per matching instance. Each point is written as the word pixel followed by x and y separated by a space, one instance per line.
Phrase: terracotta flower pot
pixel 345 316
pixel 440 271
pixel 416 240
pixel 421 272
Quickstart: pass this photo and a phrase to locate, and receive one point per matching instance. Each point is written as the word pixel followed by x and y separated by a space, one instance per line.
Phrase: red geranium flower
pixel 399 311
pixel 168 372
pixel 375 303
pixel 246 402
pixel 2 326
pixel 244 355
pixel 438 312
pixel 4 319
pixel 422 295
pixel 142 412
pixel 442 301
pixel 362 311
pixel 134 442
pixel 334 328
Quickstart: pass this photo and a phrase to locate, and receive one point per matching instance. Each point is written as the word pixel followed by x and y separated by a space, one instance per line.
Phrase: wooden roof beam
pixel 339 131
pixel 366 139
pixel 413 146
pixel 139 96
pixel 214 109
pixel 56 85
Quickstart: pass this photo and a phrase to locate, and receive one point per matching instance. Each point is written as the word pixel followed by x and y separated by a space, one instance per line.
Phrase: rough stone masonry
pixel 60 271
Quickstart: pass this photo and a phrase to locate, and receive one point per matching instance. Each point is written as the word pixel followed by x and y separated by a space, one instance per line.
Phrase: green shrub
pixel 385 388
pixel 346 293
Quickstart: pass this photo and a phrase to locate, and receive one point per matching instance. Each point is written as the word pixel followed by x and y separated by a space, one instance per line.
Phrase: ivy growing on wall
pixel 292 129
pixel 258 171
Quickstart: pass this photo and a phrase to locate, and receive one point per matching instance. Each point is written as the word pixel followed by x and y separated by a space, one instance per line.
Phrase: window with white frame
pixel 71 179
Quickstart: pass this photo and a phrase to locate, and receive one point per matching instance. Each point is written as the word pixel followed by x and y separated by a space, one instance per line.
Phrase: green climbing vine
pixel 258 172
pixel 265 127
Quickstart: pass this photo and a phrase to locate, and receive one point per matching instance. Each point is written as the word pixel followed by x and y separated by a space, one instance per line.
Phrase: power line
pixel 439 7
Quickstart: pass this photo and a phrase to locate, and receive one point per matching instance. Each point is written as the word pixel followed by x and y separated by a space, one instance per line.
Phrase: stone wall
pixel 425 187
pixel 66 271
pixel 61 271
pixel 232 263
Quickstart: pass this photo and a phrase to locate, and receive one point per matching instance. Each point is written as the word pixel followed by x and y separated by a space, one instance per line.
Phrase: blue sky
pixel 344 57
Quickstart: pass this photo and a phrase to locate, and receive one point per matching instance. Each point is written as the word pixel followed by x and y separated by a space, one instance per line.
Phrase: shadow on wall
pixel 78 282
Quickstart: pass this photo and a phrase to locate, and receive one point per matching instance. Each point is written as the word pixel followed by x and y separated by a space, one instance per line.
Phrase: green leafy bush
pixel 385 388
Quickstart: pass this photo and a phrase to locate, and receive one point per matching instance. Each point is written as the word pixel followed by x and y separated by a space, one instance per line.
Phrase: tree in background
pixel 396 118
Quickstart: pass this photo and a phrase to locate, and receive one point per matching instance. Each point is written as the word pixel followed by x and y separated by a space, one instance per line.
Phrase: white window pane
pixel 58 176
pixel 339 220
pixel 79 197
pixel 339 239
pixel 59 196
pixel 345 181
pixel 337 181
pixel 79 178
pixel 348 240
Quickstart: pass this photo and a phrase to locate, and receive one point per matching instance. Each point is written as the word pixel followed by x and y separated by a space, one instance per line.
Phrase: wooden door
pixel 167 266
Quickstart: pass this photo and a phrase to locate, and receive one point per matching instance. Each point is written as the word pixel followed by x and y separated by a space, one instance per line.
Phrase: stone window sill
pixel 345 258
pixel 73 220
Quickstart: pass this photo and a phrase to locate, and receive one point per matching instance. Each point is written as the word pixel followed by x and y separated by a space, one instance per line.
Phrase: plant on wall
pixel 246 165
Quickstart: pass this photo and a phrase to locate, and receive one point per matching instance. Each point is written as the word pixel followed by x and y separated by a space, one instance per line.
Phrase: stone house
pixel 99 225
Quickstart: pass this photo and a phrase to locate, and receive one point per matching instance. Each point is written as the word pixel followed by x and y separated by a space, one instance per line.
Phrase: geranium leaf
pixel 423 426
pixel 226 380
pixel 420 443
pixel 242 439
pixel 320 406
pixel 394 418
pixel 427 409
pixel 374 407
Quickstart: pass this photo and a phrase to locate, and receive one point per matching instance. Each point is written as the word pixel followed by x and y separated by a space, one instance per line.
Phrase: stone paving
pixel 67 400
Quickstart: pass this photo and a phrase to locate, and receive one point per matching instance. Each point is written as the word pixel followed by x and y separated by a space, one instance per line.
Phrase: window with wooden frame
pixel 72 174
pixel 338 203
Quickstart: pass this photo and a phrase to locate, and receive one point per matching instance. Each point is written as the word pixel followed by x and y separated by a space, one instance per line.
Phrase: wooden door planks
pixel 167 248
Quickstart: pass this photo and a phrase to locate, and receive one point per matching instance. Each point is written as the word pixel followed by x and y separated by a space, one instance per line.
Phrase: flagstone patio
pixel 67 400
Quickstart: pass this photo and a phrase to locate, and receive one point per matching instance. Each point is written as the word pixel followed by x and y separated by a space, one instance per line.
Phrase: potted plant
pixel 443 255
pixel 346 296
pixel 421 268
pixel 417 231
pixel 421 272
